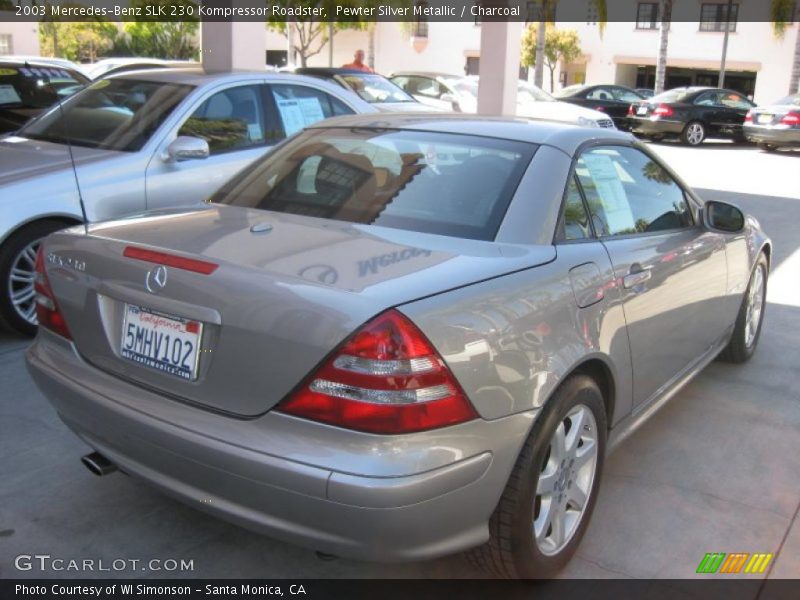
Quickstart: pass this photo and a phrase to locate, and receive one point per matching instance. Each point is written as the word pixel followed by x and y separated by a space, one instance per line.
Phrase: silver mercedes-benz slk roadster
pixel 397 337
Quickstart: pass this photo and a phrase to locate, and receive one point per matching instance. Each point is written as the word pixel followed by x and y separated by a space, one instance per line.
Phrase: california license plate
pixel 642 110
pixel 162 342
pixel 765 118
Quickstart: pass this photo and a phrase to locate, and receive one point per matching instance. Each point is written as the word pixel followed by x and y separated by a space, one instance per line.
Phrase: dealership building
pixel 758 61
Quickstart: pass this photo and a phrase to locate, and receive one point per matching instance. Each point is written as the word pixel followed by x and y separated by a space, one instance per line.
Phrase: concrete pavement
pixel 715 471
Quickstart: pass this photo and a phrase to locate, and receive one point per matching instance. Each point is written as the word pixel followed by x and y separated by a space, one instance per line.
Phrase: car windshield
pixel 454 185
pixel 36 87
pixel 112 114
pixel 676 95
pixel 532 93
pixel 375 89
pixel 792 100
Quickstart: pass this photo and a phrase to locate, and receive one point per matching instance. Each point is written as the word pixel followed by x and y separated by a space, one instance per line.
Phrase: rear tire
pixel 768 147
pixel 550 495
pixel 747 330
pixel 694 133
pixel 17 255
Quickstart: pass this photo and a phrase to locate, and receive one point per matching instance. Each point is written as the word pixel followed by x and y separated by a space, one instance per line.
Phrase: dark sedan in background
pixel 614 100
pixel 692 114
pixel 775 126
pixel 27 88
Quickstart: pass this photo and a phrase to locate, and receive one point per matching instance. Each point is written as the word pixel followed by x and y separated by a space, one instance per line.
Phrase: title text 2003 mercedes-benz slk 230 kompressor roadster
pixel 399 337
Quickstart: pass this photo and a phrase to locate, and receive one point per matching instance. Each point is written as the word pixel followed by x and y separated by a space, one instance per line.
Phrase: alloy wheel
pixel 695 134
pixel 755 306
pixel 565 480
pixel 20 282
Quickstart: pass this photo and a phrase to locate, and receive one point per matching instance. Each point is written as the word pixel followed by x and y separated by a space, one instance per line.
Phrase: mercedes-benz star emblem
pixel 156 279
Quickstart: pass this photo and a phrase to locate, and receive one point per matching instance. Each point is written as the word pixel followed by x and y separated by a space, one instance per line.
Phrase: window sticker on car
pixel 296 113
pixel 9 95
pixel 254 132
pixel 612 194
pixel 4 72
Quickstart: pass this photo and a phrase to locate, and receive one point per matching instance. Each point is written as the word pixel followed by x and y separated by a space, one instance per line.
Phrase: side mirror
pixel 186 147
pixel 723 217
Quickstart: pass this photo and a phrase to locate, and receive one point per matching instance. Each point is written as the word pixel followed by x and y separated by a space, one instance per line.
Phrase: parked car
pixel 147 140
pixel 112 66
pixel 692 114
pixel 534 102
pixel 370 87
pixel 438 90
pixel 365 350
pixel 50 61
pixel 775 126
pixel 29 88
pixel 614 100
pixel 462 93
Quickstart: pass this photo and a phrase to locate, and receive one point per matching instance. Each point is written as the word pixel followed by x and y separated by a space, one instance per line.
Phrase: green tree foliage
pixel 154 37
pixel 309 35
pixel 559 45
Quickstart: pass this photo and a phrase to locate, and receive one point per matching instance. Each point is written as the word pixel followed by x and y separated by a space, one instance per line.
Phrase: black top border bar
pixel 475 11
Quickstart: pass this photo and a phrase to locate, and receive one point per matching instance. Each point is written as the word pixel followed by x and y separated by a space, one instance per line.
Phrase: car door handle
pixel 637 278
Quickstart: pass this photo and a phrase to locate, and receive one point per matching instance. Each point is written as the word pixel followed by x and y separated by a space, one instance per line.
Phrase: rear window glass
pixel 676 95
pixel 37 87
pixel 446 184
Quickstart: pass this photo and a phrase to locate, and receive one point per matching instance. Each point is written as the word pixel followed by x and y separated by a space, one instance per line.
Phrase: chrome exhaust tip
pixel 98 464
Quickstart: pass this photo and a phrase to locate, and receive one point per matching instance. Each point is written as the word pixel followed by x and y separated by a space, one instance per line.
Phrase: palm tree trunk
pixel 794 82
pixel 538 73
pixel 371 46
pixel 665 8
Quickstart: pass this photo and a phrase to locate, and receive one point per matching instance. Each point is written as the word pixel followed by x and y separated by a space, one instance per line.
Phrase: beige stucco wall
pixel 24 36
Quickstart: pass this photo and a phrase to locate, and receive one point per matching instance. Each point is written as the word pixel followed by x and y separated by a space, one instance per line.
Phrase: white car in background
pixel 140 141
pixel 461 95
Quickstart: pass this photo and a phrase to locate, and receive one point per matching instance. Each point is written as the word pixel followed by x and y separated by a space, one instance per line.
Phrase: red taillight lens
pixel 631 110
pixel 663 110
pixel 600 108
pixel 387 378
pixel 748 118
pixel 47 310
pixel 792 119
pixel 170 260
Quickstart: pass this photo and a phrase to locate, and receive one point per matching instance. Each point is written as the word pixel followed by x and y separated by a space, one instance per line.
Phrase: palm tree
pixel 781 20
pixel 665 11
pixel 547 15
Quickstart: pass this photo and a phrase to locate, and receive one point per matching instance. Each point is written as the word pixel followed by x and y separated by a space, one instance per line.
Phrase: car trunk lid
pixel 284 291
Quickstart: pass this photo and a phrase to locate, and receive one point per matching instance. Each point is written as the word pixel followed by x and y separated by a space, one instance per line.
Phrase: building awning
pixel 689 63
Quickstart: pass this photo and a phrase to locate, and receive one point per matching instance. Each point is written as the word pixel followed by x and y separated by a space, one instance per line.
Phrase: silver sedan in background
pixel 398 337
pixel 142 140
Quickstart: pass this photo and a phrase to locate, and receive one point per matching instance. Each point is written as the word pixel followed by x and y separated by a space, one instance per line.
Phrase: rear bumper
pixel 388 498
pixel 655 126
pixel 768 135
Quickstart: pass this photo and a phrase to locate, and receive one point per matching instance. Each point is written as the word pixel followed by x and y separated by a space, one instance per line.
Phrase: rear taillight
pixel 386 378
pixel 748 118
pixel 47 310
pixel 600 108
pixel 792 119
pixel 663 110
pixel 631 111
